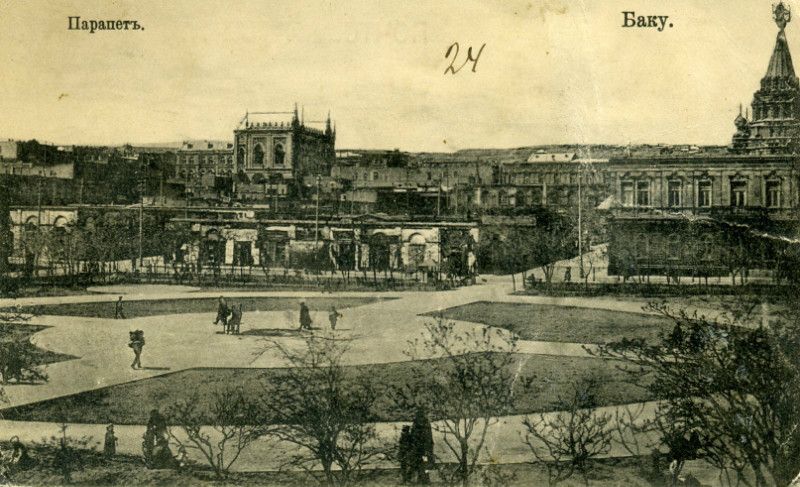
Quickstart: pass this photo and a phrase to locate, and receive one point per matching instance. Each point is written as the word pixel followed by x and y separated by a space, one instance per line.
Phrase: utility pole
pixel 39 201
pixel 141 212
pixel 438 199
pixel 316 215
pixel 580 222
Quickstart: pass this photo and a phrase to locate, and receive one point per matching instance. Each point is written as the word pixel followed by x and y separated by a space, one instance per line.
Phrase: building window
pixel 739 193
pixel 280 154
pixel 627 193
pixel 374 175
pixel 704 194
pixel 674 193
pixel 674 247
pixel 416 250
pixel 773 194
pixel 502 198
pixel 240 156
pixel 258 155
pixel 537 195
pixel 643 193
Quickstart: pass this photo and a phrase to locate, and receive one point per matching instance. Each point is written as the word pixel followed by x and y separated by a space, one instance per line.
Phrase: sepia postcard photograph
pixel 353 243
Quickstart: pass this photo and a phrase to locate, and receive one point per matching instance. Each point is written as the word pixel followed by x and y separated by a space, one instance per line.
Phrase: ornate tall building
pixel 774 127
pixel 715 214
pixel 277 155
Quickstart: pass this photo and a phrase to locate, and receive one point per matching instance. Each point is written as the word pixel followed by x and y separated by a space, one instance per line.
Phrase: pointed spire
pixel 328 124
pixel 780 64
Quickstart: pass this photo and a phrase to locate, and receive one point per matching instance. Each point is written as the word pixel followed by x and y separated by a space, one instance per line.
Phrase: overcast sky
pixel 551 72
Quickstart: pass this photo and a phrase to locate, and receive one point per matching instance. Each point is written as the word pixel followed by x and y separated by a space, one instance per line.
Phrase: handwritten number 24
pixel 453 49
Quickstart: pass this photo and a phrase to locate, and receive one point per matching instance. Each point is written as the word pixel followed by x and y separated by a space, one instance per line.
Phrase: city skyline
pixel 546 76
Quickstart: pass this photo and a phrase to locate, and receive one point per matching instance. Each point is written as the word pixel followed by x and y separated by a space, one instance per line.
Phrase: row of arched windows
pixel 278 154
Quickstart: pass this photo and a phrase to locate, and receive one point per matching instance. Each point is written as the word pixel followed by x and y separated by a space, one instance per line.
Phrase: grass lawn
pixel 561 323
pixel 130 403
pixel 22 335
pixel 136 309
pixel 128 470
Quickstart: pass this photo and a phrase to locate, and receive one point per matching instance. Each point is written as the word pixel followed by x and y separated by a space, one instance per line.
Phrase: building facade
pixel 275 157
pixel 718 214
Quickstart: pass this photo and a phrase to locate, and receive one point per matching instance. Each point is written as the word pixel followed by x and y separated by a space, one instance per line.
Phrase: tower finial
pixel 781 14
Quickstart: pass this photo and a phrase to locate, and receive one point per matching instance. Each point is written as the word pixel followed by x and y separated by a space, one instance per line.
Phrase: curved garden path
pixel 176 342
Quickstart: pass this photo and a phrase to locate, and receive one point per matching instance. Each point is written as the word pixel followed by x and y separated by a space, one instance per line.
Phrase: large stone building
pixel 468 182
pixel 723 214
pixel 206 168
pixel 276 156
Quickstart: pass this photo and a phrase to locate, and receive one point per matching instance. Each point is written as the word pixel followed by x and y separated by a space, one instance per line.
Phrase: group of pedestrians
pixel 305 317
pixel 155 445
pixel 229 316
pixel 415 451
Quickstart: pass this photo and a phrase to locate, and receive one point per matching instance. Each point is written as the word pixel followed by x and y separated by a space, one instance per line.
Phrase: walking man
pixel 333 316
pixel 222 313
pixel 118 312
pixel 305 317
pixel 137 344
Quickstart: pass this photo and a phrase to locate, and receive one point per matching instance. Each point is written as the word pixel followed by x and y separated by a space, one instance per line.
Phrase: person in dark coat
pixel 152 444
pixel 157 423
pixel 162 455
pixel 222 313
pixel 305 317
pixel 421 447
pixel 405 455
pixel 110 443
pixel 119 313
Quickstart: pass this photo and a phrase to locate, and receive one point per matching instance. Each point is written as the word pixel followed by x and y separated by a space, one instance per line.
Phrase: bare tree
pixel 231 422
pixel 568 440
pixel 469 381
pixel 731 394
pixel 69 450
pixel 326 411
pixel 17 358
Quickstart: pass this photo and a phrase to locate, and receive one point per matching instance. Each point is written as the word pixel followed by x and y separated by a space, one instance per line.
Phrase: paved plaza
pixel 379 330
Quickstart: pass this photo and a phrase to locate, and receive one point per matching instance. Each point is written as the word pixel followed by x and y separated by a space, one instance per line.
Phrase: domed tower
pixel 775 124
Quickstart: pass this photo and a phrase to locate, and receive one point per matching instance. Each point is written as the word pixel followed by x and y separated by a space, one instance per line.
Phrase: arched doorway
pixel 212 249
pixel 379 252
